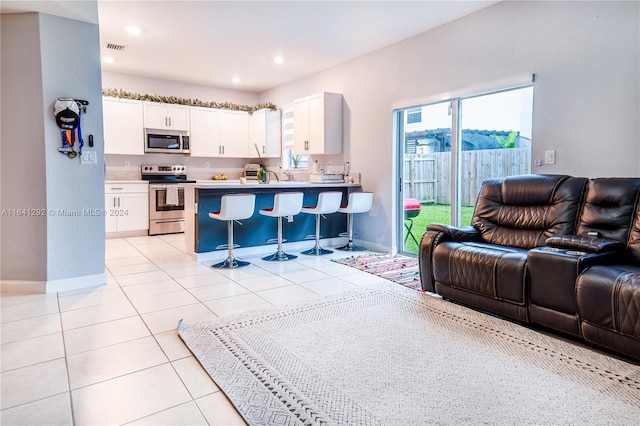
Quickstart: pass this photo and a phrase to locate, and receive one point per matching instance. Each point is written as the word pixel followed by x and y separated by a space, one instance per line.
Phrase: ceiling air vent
pixel 113 46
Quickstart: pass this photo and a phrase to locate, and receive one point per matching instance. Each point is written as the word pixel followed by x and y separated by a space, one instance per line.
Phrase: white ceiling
pixel 210 42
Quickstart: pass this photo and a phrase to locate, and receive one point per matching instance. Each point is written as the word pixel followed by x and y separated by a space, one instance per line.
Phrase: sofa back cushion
pixel 609 207
pixel 523 211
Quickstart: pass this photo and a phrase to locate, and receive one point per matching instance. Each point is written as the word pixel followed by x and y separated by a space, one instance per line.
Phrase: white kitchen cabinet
pixel 265 133
pixel 317 124
pixel 219 133
pixel 166 116
pixel 234 134
pixel 126 208
pixel 123 126
pixel 204 139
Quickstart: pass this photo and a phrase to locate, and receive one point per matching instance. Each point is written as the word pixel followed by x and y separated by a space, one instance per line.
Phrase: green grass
pixel 432 213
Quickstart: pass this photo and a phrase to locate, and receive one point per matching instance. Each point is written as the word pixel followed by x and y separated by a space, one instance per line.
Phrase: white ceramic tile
pixel 188 270
pixel 87 300
pixel 111 284
pixel 163 301
pixel 184 414
pixel 96 315
pixel 52 411
pixel 144 277
pixel 237 304
pixel 133 269
pixel 134 260
pixel 194 377
pixel 172 345
pixel 152 288
pixel 104 334
pixel 29 328
pixel 12 298
pixel 264 283
pixel 278 267
pixel 219 411
pixel 32 383
pixel 218 291
pixel 285 295
pixel 328 286
pixel 32 309
pixel 305 275
pixel 120 252
pixel 363 279
pixel 116 242
pixel 113 361
pixel 209 278
pixel 31 351
pixel 313 261
pixel 143 240
pixel 129 397
pixel 161 321
pixel 244 273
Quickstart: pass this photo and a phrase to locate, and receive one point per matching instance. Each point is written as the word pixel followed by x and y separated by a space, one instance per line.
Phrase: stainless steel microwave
pixel 168 143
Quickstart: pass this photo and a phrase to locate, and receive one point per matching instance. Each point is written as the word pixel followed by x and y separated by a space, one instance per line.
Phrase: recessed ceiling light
pixel 236 80
pixel 278 60
pixel 107 59
pixel 133 30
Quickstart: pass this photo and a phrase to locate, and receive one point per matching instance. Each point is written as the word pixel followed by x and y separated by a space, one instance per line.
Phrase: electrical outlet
pixel 550 157
pixel 126 164
pixel 206 165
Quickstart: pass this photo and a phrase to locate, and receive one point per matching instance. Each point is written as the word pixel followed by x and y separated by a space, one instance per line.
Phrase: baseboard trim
pixel 23 287
pixel 76 283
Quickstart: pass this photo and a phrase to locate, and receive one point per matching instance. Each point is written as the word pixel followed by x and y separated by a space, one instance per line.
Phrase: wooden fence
pixel 427 176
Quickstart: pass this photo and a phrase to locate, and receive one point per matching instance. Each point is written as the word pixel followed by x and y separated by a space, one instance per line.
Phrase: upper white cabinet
pixel 204 138
pixel 234 133
pixel 265 133
pixel 166 116
pixel 123 126
pixel 219 133
pixel 317 124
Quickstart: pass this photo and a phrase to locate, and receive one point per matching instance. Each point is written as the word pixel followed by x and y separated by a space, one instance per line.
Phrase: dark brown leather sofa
pixel 551 250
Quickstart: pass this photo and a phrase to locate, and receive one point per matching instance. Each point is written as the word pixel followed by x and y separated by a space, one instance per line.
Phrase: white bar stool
pixel 328 202
pixel 233 207
pixel 359 202
pixel 284 204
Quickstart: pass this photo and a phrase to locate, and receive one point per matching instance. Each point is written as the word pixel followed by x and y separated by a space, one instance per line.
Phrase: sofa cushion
pixel 497 272
pixel 608 301
pixel 608 207
pixel 523 211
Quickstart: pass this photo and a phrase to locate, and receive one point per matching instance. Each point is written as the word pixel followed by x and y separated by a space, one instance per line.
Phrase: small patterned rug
pixel 393 267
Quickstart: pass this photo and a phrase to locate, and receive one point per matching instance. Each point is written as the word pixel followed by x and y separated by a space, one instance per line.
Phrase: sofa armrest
pixel 586 243
pixel 434 235
pixel 453 233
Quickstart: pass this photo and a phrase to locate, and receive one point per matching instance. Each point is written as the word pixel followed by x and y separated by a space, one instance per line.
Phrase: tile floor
pixel 111 356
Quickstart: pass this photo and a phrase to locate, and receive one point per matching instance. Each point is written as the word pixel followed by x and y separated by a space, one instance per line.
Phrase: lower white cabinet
pixel 126 207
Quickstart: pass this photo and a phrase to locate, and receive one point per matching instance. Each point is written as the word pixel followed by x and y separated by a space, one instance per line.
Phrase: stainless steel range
pixel 166 197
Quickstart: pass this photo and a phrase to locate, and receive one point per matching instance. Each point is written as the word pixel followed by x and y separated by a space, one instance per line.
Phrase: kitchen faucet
pixel 287 174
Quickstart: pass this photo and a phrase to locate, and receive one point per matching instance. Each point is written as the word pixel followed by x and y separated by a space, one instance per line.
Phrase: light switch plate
pixel 89 157
pixel 550 157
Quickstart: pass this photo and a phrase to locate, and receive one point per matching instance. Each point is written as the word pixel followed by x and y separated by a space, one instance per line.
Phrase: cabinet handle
pixel 264 149
pixel 169 121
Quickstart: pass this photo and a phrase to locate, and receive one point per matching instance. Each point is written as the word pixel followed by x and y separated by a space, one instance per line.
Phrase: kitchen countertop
pixel 120 182
pixel 281 184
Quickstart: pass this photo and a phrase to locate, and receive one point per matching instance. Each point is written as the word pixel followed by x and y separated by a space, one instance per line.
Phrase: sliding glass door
pixel 447 149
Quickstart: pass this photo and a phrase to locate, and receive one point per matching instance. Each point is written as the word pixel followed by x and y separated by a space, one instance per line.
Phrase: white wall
pixel 586 57
pixel 53 251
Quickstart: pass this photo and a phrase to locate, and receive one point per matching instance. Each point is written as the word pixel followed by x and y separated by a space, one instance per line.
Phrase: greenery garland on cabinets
pixel 119 93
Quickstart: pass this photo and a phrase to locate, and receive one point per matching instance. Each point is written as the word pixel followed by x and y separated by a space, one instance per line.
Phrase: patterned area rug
pixel 386 355
pixel 394 267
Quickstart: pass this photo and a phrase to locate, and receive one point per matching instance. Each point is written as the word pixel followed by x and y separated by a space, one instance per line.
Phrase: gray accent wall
pixel 45 57
pixel 586 58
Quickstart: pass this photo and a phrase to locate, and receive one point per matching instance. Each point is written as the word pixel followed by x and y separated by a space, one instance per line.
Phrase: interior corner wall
pixel 586 57
pixel 23 236
pixel 60 244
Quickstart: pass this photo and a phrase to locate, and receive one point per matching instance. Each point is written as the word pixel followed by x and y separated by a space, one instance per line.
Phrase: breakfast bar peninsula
pixel 206 238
